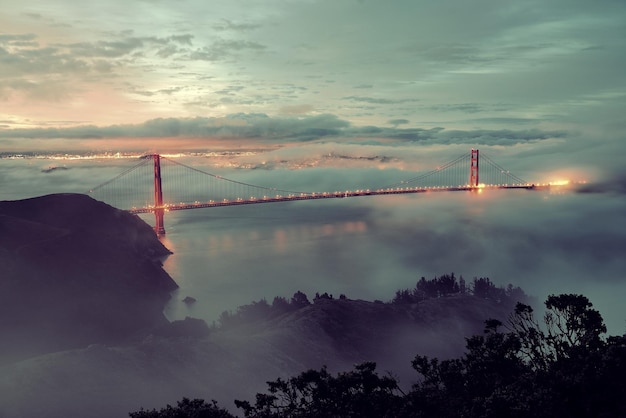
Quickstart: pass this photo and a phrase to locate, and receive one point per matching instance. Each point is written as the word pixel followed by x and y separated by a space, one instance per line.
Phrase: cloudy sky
pixel 485 72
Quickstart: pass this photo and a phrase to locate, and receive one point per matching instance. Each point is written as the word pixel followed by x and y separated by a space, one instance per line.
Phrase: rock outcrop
pixel 75 271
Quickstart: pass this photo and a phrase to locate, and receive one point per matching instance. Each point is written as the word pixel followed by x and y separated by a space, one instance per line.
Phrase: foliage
pixel 564 368
pixel 561 367
pixel 442 286
pixel 317 393
pixel 261 310
pixel 447 285
pixel 324 295
pixel 299 300
pixel 186 408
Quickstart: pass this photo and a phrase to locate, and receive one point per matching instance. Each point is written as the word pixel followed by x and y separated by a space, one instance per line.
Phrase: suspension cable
pixel 229 180
pixel 119 175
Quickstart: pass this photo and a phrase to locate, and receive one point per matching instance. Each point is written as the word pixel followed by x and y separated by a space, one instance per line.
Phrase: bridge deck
pixel 323 195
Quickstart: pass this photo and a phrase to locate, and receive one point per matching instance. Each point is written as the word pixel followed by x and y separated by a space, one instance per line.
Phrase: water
pixel 226 257
pixel 368 247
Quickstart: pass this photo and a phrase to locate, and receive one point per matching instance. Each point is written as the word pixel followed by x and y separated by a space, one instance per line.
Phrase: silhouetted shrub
pixel 560 368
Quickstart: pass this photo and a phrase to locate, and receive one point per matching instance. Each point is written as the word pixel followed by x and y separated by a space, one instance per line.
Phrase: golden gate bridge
pixel 193 188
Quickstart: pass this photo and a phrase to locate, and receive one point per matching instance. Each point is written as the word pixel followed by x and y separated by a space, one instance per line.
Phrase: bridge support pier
pixel 474 168
pixel 159 226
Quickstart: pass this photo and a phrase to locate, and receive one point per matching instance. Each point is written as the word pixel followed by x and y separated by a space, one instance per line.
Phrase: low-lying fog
pixel 567 240
pixel 560 241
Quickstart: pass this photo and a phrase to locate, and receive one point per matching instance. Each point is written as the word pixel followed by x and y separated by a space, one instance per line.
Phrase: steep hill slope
pixel 75 271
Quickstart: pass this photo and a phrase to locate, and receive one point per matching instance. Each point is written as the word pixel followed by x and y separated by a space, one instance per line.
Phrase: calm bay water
pixel 226 257
pixel 368 247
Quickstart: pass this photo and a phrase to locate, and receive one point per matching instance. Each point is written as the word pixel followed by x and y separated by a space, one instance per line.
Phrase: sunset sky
pixel 545 77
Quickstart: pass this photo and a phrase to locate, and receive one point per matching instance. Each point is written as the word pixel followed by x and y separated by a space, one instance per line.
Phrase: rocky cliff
pixel 75 271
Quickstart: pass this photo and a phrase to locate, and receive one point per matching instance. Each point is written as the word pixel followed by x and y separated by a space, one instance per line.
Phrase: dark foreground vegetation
pixel 443 286
pixel 562 366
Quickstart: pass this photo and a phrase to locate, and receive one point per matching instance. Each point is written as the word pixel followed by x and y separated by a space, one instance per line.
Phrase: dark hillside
pixel 236 361
pixel 341 332
pixel 75 271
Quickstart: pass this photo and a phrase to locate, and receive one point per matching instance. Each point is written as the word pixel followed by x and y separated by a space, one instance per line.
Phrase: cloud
pixel 498 137
pixel 377 100
pixel 224 48
pixel 108 49
pixel 48 90
pixel 507 120
pixel 57 71
pixel 396 122
pixel 148 93
pixel 22 54
pixel 229 90
pixel 233 126
pixel 285 129
pixel 467 107
pixel 26 39
pixel 296 109
pixel 614 184
pixel 229 25
pixel 19 62
pixel 443 53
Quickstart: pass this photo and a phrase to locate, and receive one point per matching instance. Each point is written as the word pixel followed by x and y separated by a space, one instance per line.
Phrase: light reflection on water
pixel 225 264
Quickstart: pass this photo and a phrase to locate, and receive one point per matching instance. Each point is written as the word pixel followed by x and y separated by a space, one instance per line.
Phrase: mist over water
pixel 368 247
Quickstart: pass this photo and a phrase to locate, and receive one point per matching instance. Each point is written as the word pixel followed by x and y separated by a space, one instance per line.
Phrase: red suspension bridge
pixel 194 188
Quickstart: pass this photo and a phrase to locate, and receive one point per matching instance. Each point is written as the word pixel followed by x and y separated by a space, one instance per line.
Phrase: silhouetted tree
pixel 426 288
pixel 226 319
pixel 403 296
pixel 254 311
pixel 316 393
pixel 324 295
pixel 462 286
pixel 280 305
pixel 483 288
pixel 299 300
pixel 573 324
pixel 564 368
pixel 186 408
pixel 447 285
pixel 515 294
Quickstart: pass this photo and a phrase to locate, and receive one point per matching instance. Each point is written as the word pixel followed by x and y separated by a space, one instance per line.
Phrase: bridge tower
pixel 474 168
pixel 159 226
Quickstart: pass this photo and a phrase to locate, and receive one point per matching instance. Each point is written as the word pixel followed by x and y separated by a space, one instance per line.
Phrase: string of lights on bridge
pixel 153 184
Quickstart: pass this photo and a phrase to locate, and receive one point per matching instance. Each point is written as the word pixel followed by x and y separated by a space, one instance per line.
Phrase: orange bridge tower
pixel 474 168
pixel 159 227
